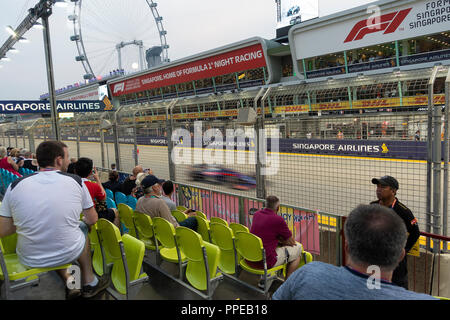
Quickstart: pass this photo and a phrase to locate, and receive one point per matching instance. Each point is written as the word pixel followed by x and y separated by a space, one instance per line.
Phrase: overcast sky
pixel 192 26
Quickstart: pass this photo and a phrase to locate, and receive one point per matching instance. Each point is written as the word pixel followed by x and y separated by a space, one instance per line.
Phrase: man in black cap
pixel 152 204
pixel 387 187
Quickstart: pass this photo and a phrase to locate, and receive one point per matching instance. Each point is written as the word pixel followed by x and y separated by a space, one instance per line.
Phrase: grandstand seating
pixel 120 197
pixel 203 260
pixel 99 260
pixel 25 171
pixel 250 247
pixel 238 227
pixel 179 216
pixel 201 214
pixel 131 202
pixel 219 220
pixel 127 254
pixel 126 217
pixel 109 194
pixel 165 233
pixel 13 274
pixel 203 228
pixel 144 229
pixel 224 239
pixel 110 203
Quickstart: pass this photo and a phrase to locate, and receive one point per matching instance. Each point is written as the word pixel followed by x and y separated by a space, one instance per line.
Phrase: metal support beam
pixel 446 160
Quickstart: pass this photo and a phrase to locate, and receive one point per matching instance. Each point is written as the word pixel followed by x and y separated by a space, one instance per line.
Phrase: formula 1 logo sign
pixel 119 87
pixel 388 23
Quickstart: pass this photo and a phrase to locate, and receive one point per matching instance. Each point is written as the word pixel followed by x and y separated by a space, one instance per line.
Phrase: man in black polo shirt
pixel 387 187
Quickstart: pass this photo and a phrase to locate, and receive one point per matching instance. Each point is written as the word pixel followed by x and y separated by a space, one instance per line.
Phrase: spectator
pixel 129 184
pixel 44 210
pixel 169 189
pixel 387 187
pixel 9 150
pixel 374 238
pixel 29 162
pixel 138 191
pixel 8 163
pixel 417 136
pixel 71 168
pixel 113 167
pixel 83 168
pixel 154 206
pixel 276 237
pixel 113 183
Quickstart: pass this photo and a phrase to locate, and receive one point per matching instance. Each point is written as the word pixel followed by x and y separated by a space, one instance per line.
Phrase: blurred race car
pixel 222 175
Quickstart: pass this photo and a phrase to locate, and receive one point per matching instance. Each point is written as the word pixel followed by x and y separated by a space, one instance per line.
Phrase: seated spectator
pixel 9 150
pixel 8 163
pixel 113 183
pixel 129 184
pixel 168 189
pixel 44 210
pixel 71 168
pixel 113 167
pixel 375 237
pixel 83 168
pixel 15 155
pixel 138 191
pixel 152 204
pixel 276 237
pixel 29 162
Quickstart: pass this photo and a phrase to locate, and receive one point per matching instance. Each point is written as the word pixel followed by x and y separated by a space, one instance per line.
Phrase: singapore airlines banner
pixel 392 21
pixel 39 106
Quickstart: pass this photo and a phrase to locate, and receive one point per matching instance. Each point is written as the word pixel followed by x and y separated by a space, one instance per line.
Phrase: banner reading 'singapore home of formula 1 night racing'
pixel 40 106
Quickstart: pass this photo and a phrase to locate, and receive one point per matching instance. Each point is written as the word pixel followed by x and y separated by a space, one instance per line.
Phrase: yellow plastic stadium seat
pixel 201 214
pixel 181 208
pixel 203 228
pixel 238 227
pixel 250 247
pixel 127 254
pixel 145 232
pixel 98 253
pixel 203 260
pixel 179 216
pixel 165 234
pixel 225 241
pixel 126 217
pixel 15 275
pixel 219 220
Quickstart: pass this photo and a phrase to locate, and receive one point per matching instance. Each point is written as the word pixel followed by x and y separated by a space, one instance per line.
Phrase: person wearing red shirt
pixel 276 237
pixel 83 168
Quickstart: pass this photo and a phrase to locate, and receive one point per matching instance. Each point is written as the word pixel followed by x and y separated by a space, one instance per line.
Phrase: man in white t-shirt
pixel 44 210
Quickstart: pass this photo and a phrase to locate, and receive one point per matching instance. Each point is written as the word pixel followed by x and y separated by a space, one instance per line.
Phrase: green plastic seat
pixel 181 208
pixel 203 228
pixel 127 254
pixel 145 232
pixel 250 247
pixel 218 220
pixel 15 275
pixel 238 227
pixel 126 217
pixel 179 216
pixel 203 260
pixel 201 214
pixel 98 253
pixel 224 238
pixel 165 234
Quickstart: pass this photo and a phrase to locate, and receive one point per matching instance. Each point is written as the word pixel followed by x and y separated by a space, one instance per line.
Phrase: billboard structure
pixel 296 11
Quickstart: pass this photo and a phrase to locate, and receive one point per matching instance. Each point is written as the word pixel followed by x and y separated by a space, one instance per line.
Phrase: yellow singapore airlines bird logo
pixel 385 148
pixel 252 144
pixel 108 104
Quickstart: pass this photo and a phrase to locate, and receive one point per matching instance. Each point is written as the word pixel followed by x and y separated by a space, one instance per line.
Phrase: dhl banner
pixel 414 101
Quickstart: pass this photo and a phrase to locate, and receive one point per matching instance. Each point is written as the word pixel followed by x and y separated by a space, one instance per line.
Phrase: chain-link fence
pixel 327 141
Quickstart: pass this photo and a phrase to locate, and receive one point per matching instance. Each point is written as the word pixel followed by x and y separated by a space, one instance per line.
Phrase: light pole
pixel 50 77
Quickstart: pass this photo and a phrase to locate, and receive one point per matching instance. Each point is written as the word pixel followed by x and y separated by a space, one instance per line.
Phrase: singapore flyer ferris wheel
pixel 113 35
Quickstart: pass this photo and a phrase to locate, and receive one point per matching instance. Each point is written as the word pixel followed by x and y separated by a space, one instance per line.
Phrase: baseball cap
pixel 150 180
pixel 386 181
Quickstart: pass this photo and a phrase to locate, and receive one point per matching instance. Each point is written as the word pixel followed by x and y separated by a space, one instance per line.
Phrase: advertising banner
pixel 247 58
pixel 373 26
pixel 39 106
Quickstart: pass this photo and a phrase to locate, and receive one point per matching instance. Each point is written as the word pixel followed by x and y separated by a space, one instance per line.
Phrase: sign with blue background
pixel 40 106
